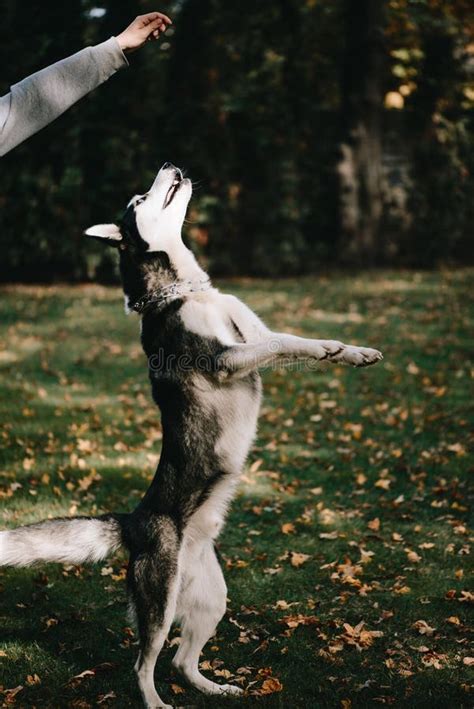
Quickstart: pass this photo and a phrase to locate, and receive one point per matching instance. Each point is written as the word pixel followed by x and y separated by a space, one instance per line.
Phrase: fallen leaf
pixel 359 637
pixel 423 628
pixel 433 660
pixel 33 679
pixel 298 559
pixel 293 621
pixel 402 590
pixel 271 685
pixel 81 675
pixel 176 689
pixel 457 448
pixel 453 619
pixel 328 535
pixel 10 694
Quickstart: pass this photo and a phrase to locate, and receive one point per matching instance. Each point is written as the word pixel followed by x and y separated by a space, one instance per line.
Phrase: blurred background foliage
pixel 319 132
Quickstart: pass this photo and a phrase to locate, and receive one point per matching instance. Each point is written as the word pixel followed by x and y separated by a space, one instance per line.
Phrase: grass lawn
pixel 353 508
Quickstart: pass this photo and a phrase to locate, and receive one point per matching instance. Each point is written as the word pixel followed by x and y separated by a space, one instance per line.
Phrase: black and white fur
pixel 209 347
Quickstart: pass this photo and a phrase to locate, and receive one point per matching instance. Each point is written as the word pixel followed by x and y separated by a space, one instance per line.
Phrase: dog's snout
pixel 170 166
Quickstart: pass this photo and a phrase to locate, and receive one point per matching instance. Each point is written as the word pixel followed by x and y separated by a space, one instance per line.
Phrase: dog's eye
pixel 141 199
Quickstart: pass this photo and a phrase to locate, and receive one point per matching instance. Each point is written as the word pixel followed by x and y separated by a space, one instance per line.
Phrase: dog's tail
pixel 76 540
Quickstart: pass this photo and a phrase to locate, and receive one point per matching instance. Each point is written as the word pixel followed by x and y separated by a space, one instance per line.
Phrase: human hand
pixel 143 28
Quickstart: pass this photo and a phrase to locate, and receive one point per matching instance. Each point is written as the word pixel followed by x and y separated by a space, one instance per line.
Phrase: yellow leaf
pixel 423 628
pixel 457 448
pixel 453 619
pixel 33 679
pixel 176 689
pixel 288 528
pixel 271 685
pixel 402 590
pixel 328 535
pixel 374 524
pixel 297 559
pixel 366 556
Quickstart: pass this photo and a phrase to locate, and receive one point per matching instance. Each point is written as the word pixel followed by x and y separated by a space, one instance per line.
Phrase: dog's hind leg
pixel 154 584
pixel 201 605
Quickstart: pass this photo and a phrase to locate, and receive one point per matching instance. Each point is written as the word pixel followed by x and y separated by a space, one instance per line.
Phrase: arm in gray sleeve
pixel 42 97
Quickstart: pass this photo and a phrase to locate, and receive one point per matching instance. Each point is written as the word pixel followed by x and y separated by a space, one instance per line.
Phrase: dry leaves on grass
pixel 374 524
pixel 358 637
pixel 103 667
pixel 176 689
pixel 434 659
pixel 423 628
pixel 270 684
pixel 9 695
pixel 296 558
pixel 293 621
pixel 353 636
pixel 347 573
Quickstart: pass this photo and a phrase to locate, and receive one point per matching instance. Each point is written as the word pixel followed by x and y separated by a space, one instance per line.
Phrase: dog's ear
pixel 106 233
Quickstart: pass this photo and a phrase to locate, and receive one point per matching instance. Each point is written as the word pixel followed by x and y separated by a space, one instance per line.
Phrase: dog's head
pixel 148 236
pixel 151 220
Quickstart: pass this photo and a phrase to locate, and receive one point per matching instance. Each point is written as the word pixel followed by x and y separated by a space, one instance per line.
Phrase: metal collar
pixel 162 297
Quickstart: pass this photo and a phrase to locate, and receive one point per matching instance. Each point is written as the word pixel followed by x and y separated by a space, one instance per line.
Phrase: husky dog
pixel 204 350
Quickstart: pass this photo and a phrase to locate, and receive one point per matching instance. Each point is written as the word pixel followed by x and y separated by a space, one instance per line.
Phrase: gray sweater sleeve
pixel 42 97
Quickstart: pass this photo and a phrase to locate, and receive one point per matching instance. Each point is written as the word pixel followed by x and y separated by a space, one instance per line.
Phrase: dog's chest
pixel 207 319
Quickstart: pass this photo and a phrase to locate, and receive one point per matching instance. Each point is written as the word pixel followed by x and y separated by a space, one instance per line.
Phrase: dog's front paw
pixel 361 356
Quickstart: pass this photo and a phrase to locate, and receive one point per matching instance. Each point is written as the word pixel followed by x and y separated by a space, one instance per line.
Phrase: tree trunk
pixel 360 166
